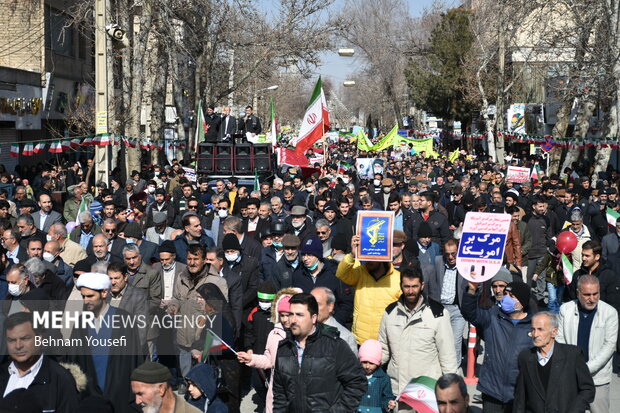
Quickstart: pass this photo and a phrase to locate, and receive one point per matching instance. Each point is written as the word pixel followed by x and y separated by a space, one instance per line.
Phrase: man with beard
pixel 107 367
pixel 282 273
pixel 311 347
pixel 299 224
pixel 160 205
pixel 27 230
pixel 254 225
pixel 446 286
pixel 415 335
pixel 213 122
pixel 153 393
pixel 184 300
pixel 45 218
pixel 456 211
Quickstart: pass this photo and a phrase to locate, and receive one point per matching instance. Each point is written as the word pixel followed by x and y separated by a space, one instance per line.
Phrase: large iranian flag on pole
pixel 420 394
pixel 315 122
pixel 274 129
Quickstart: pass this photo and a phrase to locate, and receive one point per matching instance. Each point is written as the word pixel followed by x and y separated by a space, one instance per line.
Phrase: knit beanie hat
pixel 502 275
pixel 521 291
pixel 231 242
pixel 425 230
pixel 284 305
pixel 313 246
pixel 151 372
pixel 266 291
pixel 370 351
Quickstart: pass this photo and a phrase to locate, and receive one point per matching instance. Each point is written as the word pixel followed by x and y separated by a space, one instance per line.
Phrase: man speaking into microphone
pixel 250 122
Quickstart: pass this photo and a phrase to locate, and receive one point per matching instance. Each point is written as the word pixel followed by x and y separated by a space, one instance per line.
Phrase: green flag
pixel 201 124
pixel 387 141
pixel 363 144
pixel 256 183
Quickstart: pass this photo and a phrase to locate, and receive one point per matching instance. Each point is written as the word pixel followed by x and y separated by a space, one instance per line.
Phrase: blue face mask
pixel 294 264
pixel 313 266
pixel 508 304
pixel 130 241
pixel 277 244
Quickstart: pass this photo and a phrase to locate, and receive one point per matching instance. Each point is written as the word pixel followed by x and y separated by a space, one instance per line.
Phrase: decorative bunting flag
pixel 39 148
pixel 87 141
pixel 75 142
pixel 65 145
pixel 15 150
pixel 55 147
pixel 28 149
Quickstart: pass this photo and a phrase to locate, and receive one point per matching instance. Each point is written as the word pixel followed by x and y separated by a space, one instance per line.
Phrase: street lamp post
pixel 256 96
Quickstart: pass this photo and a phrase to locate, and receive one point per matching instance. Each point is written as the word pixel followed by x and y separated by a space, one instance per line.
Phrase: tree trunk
pixel 159 71
pixel 134 155
pixel 559 132
pixel 582 125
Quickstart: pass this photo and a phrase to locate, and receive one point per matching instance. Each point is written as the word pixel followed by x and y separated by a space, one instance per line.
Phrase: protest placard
pixel 376 230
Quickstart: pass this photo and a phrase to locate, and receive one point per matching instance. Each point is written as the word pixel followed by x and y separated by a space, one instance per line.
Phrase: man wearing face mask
pixel 273 253
pixel 314 271
pixel 148 249
pixel 506 331
pixel 19 284
pixel 51 254
pixel 160 232
pixel 247 267
pixel 382 198
pixel 299 224
pixel 217 225
pixel 282 273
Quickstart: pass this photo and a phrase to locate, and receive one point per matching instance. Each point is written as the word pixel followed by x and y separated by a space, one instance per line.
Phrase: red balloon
pixel 566 242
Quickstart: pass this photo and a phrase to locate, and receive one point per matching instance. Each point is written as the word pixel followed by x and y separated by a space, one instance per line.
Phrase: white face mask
pixel 346 180
pixel 376 182
pixel 222 213
pixel 232 257
pixel 48 257
pixel 309 189
pixel 49 238
pixel 156 173
pixel 151 189
pixel 15 290
pixel 264 306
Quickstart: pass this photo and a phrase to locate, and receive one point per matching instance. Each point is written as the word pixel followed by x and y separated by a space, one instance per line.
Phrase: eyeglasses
pixel 192 207
pixel 451 254
pixel 322 232
pixel 109 230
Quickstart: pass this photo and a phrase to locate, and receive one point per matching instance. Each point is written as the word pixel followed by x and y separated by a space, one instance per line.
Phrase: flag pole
pixel 222 340
pixel 196 139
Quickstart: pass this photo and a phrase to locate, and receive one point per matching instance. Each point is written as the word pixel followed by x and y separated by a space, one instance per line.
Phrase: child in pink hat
pixel 379 397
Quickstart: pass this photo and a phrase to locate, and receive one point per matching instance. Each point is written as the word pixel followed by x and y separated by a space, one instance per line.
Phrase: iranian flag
pixel 274 123
pixel 75 142
pixel 201 124
pixel 213 344
pixel 315 122
pixel 420 394
pixel 28 149
pixel 343 167
pixel 55 147
pixel 567 269
pixel 535 175
pixel 39 148
pixel 15 150
pixel 612 216
pixel 65 145
pixel 87 141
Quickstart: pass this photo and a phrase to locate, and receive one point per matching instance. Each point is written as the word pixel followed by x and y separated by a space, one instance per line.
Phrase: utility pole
pixel 101 89
pixel 231 77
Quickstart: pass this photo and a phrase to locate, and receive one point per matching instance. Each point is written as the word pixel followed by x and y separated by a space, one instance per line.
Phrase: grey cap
pixel 159 218
pixel 502 275
pixel 298 210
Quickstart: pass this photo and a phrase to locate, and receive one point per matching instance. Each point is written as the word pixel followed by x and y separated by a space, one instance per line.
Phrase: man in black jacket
pixel 315 369
pixel 250 123
pixel 51 383
pixel 552 376
pixel 213 122
pixel 247 267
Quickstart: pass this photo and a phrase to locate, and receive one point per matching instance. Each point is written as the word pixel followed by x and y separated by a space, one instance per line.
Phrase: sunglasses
pixel 451 254
pixel 192 207
pixel 109 230
pixel 322 232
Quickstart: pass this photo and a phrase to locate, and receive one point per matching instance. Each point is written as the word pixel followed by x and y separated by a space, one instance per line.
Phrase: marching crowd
pixel 302 320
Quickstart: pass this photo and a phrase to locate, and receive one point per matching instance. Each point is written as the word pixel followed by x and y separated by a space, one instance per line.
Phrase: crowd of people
pixel 303 321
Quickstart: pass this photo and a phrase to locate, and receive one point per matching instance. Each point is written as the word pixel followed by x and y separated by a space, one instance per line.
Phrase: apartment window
pixel 59 33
